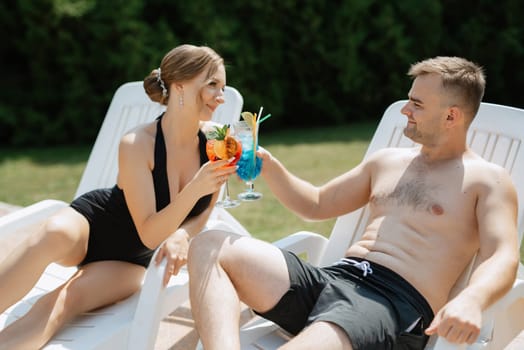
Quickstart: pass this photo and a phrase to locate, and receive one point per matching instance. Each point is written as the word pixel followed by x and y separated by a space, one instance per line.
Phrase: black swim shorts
pixel 376 307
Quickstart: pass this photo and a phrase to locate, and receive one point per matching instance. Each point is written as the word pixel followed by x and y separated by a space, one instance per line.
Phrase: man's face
pixel 425 110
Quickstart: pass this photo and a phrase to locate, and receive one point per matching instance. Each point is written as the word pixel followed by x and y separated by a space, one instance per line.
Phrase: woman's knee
pixel 63 236
pixel 65 229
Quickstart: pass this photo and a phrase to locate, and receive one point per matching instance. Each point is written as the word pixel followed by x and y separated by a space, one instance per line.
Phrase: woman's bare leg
pixel 225 269
pixel 63 238
pixel 95 285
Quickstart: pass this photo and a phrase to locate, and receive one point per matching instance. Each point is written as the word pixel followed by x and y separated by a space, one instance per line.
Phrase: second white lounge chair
pixel 497 135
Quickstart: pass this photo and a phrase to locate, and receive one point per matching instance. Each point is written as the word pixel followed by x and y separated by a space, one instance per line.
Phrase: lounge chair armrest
pixel 29 215
pixel 507 309
pixel 443 344
pixel 500 307
pixel 146 321
pixel 220 215
pixel 310 243
pixel 148 316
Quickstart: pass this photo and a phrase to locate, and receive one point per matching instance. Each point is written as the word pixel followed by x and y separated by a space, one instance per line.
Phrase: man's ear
pixel 454 117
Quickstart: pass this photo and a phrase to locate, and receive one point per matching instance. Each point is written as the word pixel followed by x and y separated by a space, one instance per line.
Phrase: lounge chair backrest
pixel 130 107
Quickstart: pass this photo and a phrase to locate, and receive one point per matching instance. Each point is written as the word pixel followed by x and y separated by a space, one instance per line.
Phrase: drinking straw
pixel 262 119
pixel 255 137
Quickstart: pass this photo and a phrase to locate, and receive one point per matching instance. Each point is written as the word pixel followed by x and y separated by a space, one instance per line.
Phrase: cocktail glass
pixel 227 202
pixel 249 164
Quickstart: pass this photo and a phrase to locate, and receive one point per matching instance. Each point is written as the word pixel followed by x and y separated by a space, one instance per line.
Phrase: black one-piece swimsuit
pixel 112 233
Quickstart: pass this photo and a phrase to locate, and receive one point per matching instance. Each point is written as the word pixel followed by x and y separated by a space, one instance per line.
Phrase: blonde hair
pixel 464 80
pixel 181 64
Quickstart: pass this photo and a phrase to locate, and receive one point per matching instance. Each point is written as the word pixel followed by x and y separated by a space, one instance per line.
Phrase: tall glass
pixel 227 202
pixel 249 164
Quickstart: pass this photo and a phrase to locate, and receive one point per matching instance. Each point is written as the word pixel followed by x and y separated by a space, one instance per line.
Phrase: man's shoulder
pixel 392 153
pixel 485 172
pixel 478 163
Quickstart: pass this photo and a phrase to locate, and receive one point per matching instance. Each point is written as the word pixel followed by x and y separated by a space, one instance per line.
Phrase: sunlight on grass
pixel 28 176
pixel 316 155
pixel 318 163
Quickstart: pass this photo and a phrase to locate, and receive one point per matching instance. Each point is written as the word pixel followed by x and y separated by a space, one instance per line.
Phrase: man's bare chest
pixel 421 189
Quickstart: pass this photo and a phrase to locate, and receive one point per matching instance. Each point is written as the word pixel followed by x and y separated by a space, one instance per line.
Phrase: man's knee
pixel 207 246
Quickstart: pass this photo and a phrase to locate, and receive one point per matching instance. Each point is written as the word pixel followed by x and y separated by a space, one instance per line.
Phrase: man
pixel 431 209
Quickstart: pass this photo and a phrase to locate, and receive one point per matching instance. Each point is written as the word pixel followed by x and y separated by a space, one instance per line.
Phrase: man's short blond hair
pixel 463 80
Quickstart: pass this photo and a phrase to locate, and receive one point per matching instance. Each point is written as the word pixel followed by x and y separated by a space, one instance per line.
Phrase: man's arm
pixel 498 258
pixel 340 195
pixel 498 255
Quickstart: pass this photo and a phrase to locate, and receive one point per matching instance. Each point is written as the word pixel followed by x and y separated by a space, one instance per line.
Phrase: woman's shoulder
pixel 140 135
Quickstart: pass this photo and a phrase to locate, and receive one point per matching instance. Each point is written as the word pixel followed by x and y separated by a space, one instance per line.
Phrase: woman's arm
pixel 176 246
pixel 135 179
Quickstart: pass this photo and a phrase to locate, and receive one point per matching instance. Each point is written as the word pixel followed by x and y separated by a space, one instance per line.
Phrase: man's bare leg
pixel 319 335
pixel 224 270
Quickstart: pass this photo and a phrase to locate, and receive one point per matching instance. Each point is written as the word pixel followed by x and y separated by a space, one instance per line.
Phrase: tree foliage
pixel 307 62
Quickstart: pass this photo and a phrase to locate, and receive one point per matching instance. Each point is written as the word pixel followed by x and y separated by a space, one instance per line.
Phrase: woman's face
pixel 209 92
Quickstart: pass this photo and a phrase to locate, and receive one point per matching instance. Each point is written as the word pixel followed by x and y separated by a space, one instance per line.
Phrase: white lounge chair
pixel 497 134
pixel 132 323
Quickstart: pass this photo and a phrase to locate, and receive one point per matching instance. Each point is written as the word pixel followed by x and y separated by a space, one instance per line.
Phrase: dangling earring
pixel 181 97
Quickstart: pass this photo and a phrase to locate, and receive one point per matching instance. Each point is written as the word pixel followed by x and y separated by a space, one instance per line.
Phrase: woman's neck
pixel 180 128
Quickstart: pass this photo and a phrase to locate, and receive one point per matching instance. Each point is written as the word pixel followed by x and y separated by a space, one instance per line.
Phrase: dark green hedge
pixel 307 62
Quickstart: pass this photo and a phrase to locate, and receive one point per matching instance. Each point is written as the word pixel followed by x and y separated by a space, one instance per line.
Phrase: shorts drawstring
pixel 363 265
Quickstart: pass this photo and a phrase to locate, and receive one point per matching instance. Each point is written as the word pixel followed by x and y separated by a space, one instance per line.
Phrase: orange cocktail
pixel 221 145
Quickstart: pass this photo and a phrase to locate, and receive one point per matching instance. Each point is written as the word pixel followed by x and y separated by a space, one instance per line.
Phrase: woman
pixel 165 192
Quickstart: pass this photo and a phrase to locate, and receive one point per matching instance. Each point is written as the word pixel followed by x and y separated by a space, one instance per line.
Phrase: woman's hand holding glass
pixel 211 176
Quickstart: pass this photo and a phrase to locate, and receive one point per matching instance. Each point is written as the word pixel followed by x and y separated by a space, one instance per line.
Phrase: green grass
pixel 316 155
pixel 30 175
